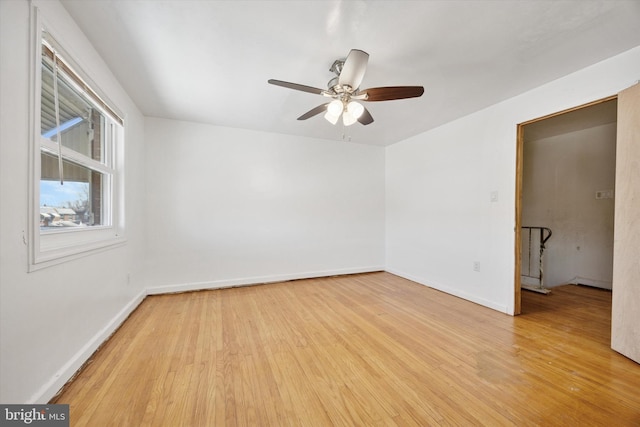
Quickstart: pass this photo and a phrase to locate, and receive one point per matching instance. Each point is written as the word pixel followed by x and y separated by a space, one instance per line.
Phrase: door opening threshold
pixel 537 289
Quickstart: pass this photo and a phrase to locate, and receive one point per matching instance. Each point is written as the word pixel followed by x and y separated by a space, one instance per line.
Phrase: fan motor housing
pixel 334 86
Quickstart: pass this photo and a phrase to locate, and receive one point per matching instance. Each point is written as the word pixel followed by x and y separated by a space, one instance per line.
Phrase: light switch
pixel 604 194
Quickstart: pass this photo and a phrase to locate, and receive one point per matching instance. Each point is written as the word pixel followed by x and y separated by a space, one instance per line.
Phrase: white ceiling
pixel 209 61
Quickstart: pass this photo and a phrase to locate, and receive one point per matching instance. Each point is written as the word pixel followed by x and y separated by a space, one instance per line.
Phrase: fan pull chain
pixel 345 137
pixel 57 110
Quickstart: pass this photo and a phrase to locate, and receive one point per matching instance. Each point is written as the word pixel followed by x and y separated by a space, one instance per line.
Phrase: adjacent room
pixel 321 212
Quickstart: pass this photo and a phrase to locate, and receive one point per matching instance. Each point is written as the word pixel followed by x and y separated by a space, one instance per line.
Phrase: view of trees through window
pixel 56 199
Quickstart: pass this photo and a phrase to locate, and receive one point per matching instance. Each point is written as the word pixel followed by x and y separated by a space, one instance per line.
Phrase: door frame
pixel 517 306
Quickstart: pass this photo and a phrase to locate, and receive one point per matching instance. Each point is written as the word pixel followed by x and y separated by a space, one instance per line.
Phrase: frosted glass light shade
pixel 335 107
pixel 331 118
pixel 348 119
pixel 355 109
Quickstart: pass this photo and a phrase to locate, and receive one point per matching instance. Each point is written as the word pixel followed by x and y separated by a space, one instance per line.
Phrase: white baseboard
pixel 256 280
pixel 49 390
pixel 591 282
pixel 455 292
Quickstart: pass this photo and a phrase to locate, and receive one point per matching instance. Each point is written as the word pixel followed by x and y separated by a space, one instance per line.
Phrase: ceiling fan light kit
pixel 345 88
pixel 350 112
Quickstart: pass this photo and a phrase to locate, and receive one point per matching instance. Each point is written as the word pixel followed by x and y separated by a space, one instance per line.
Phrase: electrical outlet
pixel 476 266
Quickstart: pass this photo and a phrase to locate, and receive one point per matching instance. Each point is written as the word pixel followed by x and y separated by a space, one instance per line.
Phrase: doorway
pixel 565 183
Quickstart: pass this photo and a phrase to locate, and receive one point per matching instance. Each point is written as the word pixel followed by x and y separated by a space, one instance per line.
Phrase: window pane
pixel 76 203
pixel 81 125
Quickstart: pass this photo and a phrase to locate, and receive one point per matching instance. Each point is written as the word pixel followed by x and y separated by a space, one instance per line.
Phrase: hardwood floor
pixel 369 349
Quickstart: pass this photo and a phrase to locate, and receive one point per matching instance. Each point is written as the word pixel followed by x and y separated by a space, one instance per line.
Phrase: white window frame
pixel 57 246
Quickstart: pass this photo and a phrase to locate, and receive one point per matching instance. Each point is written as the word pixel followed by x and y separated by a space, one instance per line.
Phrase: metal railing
pixel 533 246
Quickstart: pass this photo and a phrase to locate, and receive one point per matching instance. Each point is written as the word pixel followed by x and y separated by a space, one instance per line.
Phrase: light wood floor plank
pixel 370 349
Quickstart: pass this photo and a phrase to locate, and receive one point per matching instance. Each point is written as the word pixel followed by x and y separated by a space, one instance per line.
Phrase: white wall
pixel 53 318
pixel 439 214
pixel 561 175
pixel 229 206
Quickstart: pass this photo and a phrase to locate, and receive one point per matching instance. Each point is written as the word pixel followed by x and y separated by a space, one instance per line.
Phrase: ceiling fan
pixel 345 91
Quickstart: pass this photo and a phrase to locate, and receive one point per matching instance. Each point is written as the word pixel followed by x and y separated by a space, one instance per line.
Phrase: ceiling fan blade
pixel 296 86
pixel 365 118
pixel 353 70
pixel 392 92
pixel 314 111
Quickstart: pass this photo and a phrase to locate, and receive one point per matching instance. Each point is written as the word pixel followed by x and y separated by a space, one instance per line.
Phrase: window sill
pixel 55 254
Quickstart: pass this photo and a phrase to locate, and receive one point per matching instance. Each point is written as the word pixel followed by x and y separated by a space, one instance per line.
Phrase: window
pixel 77 161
